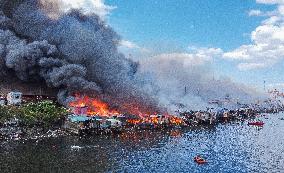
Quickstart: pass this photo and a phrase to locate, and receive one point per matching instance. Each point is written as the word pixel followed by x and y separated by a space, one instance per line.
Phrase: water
pixel 233 147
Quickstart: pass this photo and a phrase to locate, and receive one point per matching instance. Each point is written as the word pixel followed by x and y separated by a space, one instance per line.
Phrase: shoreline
pixel 18 133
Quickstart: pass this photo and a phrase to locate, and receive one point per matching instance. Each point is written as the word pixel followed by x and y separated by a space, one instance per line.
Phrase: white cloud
pixel 262 13
pixel 88 6
pixel 267 47
pixel 130 46
pixel 255 13
pixel 186 58
pixel 251 66
pixel 270 1
pixel 198 56
pixel 205 50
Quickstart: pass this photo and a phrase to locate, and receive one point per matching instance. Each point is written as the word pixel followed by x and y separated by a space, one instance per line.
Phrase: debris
pixel 256 123
pixel 198 159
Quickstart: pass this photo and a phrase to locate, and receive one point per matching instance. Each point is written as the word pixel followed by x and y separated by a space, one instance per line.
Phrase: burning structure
pixel 92 107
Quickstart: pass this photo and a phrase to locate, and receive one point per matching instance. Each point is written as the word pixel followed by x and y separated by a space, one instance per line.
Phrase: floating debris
pixel 198 159
pixel 256 123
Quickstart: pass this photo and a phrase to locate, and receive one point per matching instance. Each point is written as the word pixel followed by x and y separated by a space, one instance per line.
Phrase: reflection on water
pixel 234 147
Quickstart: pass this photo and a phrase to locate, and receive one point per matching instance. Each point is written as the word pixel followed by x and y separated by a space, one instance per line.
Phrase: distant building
pixel 14 98
pixel 2 101
pixel 274 94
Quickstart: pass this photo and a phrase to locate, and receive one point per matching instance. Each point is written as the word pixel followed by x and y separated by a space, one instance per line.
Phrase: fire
pixel 154 120
pixel 158 120
pixel 91 106
pixel 134 121
pixel 94 107
pixel 175 120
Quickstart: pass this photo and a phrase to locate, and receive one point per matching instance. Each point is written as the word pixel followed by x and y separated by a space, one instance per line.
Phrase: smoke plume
pixel 186 81
pixel 70 51
pixel 51 43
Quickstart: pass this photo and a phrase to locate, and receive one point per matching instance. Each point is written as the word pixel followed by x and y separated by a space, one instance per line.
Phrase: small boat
pixel 199 160
pixel 256 123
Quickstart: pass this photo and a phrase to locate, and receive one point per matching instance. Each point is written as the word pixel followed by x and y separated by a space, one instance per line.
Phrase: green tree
pixel 45 112
pixel 8 112
pixel 4 114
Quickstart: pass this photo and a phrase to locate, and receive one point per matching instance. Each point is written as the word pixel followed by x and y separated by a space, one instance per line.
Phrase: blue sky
pixel 198 22
pixel 175 25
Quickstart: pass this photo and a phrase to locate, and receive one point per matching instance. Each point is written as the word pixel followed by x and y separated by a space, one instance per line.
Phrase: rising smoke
pixel 187 81
pixel 72 51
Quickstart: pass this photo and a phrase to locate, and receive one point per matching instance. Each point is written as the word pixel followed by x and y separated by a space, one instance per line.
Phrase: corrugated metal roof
pixel 78 118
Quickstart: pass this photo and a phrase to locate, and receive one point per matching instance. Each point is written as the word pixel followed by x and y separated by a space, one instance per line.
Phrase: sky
pixel 244 39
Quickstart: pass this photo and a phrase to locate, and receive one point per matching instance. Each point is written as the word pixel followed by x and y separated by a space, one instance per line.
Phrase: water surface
pixel 232 147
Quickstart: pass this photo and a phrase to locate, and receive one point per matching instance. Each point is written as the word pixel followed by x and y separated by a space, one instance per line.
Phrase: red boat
pixel 257 123
pixel 199 160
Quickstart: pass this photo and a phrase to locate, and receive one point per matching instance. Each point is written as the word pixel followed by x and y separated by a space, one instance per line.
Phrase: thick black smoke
pixel 70 51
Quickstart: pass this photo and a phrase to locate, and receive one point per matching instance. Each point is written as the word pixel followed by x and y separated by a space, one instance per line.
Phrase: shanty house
pixel 2 101
pixel 14 98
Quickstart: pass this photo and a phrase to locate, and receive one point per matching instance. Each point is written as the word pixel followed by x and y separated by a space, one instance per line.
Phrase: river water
pixel 231 147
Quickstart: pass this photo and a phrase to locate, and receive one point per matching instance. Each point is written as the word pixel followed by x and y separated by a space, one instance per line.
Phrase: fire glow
pixel 95 107
pixel 91 106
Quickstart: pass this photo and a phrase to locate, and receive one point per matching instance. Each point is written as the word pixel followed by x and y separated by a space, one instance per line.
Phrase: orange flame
pixel 176 120
pixel 134 121
pixel 93 106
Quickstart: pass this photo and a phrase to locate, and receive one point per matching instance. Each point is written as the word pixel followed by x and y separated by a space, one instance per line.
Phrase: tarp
pixel 79 118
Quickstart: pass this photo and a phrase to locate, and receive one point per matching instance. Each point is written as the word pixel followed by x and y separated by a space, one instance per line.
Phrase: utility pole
pixel 264 87
pixel 213 73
